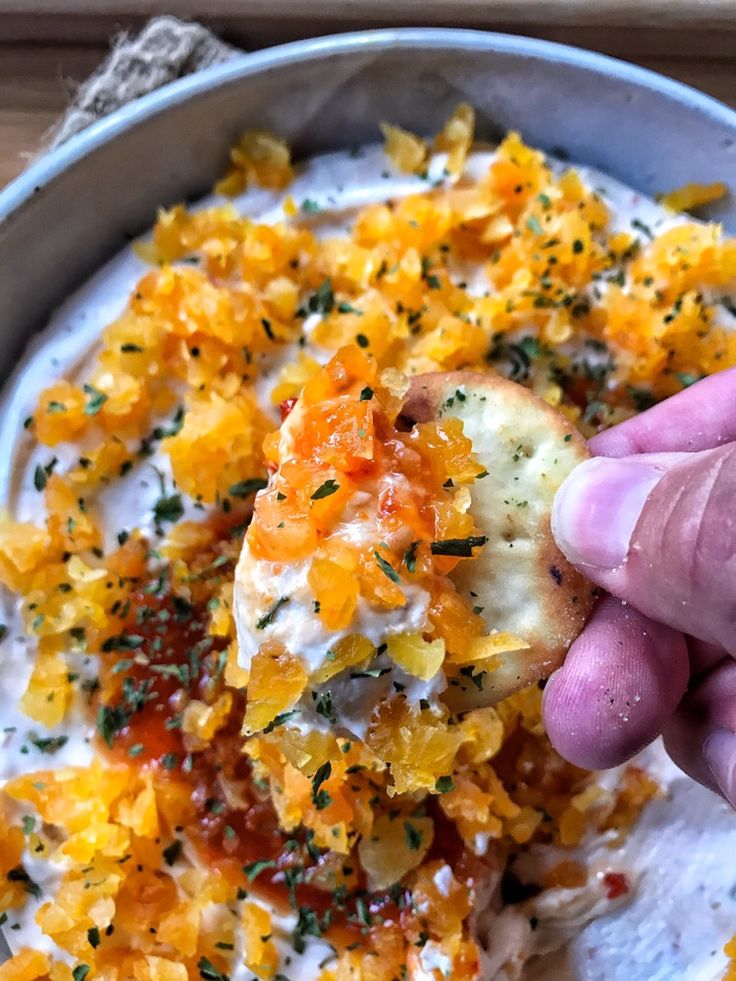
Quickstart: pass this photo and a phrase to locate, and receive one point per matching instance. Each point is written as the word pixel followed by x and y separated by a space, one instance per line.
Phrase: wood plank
pixel 36 82
pixel 260 27
pixel 624 12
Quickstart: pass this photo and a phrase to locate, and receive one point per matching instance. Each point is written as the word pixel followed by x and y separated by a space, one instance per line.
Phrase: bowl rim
pixel 52 163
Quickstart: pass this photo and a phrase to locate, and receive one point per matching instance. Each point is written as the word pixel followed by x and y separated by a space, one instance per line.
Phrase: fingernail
pixel 596 509
pixel 719 750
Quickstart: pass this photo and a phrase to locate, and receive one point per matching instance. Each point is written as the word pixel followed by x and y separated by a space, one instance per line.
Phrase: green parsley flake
pixel 209 972
pixel 386 568
pixel 345 307
pixel 462 547
pixel 162 432
pixel 96 399
pixel 268 618
pixel 640 226
pixel 51 744
pixel 327 489
pixel 111 720
pixel 254 869
pixel 370 673
pixel 19 874
pixel 413 836
pixel 323 301
pixel 123 642
pixel 410 556
pixel 321 798
pixel 246 487
pixel 687 378
pixel 323 707
pixel 280 719
pixel 172 852
pixel 168 508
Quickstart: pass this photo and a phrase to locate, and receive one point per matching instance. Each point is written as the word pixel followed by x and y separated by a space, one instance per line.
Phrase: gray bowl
pixel 76 206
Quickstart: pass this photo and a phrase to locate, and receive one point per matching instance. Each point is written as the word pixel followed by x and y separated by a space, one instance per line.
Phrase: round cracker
pixel 520 579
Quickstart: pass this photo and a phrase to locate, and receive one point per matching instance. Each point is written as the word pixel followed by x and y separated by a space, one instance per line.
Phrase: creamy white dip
pixel 683 910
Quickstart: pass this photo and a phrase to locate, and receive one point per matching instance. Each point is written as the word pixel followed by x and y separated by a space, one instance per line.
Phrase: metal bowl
pixel 76 206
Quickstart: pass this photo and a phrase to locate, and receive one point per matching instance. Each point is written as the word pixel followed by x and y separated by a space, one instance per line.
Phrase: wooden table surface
pixel 37 78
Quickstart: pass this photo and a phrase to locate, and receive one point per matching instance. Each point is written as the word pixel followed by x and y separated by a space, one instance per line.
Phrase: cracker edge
pixel 522 668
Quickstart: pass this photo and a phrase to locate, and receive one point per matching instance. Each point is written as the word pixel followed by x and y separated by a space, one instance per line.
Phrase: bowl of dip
pixel 630 132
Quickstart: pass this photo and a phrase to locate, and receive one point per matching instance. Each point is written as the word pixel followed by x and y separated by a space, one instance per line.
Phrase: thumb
pixel 659 531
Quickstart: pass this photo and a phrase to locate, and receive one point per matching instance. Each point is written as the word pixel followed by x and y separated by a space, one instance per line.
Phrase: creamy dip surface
pixel 683 905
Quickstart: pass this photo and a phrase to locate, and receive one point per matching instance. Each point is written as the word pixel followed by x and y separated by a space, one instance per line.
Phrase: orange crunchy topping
pixel 730 951
pixel 259 158
pixel 691 196
pixel 405 150
pixel 456 137
pixel 277 680
pixel 261 955
pixel 341 445
pixel 27 965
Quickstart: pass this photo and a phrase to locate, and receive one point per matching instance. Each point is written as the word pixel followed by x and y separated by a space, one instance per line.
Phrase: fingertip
pixel 701 736
pixel 621 681
pixel 656 530
pixel 596 510
pixel 719 753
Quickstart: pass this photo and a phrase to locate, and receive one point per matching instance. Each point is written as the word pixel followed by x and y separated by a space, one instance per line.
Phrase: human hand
pixel 652 520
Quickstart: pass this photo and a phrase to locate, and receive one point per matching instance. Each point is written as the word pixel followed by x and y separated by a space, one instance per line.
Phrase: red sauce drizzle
pixel 616 884
pixel 236 829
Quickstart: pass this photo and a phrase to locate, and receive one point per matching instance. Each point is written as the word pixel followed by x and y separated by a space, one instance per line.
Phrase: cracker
pixel 520 578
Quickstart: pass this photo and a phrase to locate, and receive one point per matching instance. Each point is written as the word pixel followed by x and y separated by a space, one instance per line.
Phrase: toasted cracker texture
pixel 521 580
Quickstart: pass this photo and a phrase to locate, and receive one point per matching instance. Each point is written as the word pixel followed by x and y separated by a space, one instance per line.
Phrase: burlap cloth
pixel 165 49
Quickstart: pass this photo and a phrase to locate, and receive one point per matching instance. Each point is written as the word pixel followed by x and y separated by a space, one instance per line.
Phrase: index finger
pixel 699 418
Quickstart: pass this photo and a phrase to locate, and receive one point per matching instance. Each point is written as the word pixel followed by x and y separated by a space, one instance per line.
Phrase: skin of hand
pixel 651 519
